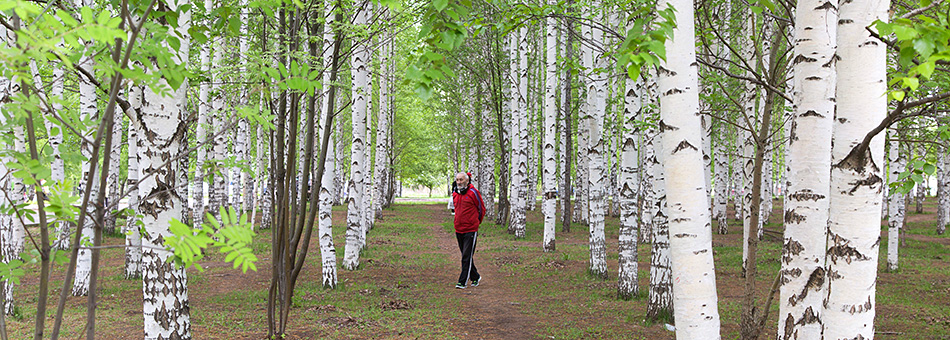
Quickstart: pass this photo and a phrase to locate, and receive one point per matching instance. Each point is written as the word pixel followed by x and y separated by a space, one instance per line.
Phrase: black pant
pixel 467 247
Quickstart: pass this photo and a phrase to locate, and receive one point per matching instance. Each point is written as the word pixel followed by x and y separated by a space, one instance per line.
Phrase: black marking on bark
pixel 815 281
pixel 870 181
pixel 801 58
pixel 856 161
pixel 812 113
pixel 845 21
pixel 843 250
pixel 699 252
pixel 813 78
pixel 866 306
pixel 790 273
pixel 684 145
pixel 832 62
pixel 792 217
pixel 792 248
pixel 550 195
pixel 826 5
pixel 665 71
pixel 682 235
pixel 806 195
pixel 793 133
pixel 681 219
pixel 664 127
pixel 672 91
pixel 869 42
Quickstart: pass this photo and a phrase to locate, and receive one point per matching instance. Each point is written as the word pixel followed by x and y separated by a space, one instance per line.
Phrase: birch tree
pixel 660 304
pixel 360 72
pixel 856 183
pixel 519 178
pixel 133 237
pixel 88 110
pixel 382 130
pixel 695 304
pixel 808 164
pixel 166 309
pixel 943 190
pixel 629 194
pixel 549 177
pixel 596 96
pixel 895 204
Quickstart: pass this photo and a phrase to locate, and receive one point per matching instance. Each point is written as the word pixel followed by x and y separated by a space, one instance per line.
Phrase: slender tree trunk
pixel 895 204
pixel 549 176
pixel 520 145
pixel 113 175
pixel 921 187
pixel 808 163
pixel 568 117
pixel 695 304
pixel 660 304
pixel 943 190
pixel 354 229
pixel 133 237
pixel 218 193
pixel 648 140
pixel 166 308
pixel 627 287
pixel 88 109
pixel 58 167
pixel 325 224
pixel 12 230
pixel 596 95
pixel 856 168
pixel 382 131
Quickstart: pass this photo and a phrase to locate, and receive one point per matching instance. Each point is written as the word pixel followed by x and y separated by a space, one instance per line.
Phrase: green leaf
pixel 926 69
pixel 904 32
pixel 929 169
pixel 924 46
pixel 439 5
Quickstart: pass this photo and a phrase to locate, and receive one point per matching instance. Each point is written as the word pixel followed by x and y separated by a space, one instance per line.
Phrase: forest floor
pixel 404 287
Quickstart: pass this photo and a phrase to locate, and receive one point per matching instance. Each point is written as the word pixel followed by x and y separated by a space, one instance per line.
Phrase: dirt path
pixel 492 309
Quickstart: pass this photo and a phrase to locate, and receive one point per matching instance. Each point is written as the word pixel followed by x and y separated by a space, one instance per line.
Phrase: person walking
pixel 469 212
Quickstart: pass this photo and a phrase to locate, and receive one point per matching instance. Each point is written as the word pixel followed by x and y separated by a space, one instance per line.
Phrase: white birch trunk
pixel 112 179
pixel 243 140
pixel 354 218
pixel 596 95
pixel 166 309
pixel 549 176
pixel 218 193
pixel 133 237
pixel 87 110
pixel 488 161
pixel 660 304
pixel 808 170
pixel 582 200
pixel 695 304
pixel 519 179
pixel 648 156
pixel 382 130
pixel 12 230
pixel 722 185
pixel 854 225
pixel 629 194
pixel 943 190
pixel 895 212
pixel 201 133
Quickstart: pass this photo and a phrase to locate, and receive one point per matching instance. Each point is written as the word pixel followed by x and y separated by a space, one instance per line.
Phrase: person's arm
pixel 480 204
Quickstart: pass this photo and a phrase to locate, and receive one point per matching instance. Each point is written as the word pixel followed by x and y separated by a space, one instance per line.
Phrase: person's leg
pixel 461 241
pixel 466 244
pixel 473 273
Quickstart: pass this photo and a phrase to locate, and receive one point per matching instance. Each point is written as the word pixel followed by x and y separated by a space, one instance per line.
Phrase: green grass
pixel 402 262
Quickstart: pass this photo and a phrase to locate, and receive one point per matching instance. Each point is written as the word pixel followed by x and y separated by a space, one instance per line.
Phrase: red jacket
pixel 469 210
